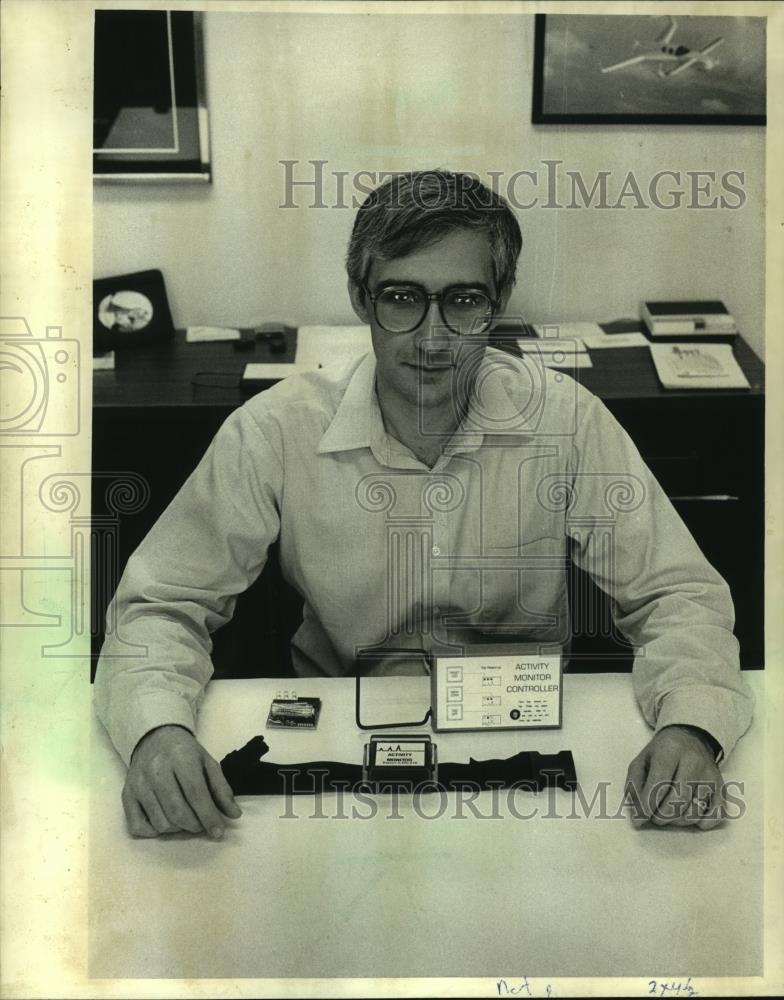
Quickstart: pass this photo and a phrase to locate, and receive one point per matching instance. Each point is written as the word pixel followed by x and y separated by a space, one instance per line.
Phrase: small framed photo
pixel 130 310
pixel 623 69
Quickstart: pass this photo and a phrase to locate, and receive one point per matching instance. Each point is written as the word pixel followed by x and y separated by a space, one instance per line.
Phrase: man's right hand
pixel 173 785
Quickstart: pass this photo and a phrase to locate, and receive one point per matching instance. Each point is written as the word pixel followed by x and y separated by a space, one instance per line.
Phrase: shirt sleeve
pixel 182 582
pixel 666 597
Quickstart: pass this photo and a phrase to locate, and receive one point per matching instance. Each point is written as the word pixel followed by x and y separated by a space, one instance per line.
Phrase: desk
pixel 326 897
pixel 160 376
pixel 150 419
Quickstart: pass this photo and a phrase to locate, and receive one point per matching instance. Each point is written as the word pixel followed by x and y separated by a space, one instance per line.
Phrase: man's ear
pixel 358 297
pixel 503 300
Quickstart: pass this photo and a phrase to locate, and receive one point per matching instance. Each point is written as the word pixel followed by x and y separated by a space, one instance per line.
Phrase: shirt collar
pixel 502 402
pixel 358 416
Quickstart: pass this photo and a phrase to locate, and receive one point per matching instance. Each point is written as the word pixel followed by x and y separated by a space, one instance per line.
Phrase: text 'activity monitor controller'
pixel 488 691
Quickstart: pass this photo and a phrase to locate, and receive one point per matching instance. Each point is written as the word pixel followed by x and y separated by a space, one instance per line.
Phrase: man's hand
pixel 675 780
pixel 173 784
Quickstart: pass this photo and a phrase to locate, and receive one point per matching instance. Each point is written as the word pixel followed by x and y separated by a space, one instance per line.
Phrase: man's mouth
pixel 431 364
pixel 430 371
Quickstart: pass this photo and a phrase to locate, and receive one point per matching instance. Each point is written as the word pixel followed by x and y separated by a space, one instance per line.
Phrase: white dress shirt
pixel 392 556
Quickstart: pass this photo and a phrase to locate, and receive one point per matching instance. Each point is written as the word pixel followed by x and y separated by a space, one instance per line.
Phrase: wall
pixel 390 92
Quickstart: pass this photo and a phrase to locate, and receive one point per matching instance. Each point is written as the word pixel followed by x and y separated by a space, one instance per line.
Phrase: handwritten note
pixel 672 987
pixel 522 987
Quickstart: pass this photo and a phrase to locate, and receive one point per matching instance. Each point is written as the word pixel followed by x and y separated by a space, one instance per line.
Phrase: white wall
pixel 391 92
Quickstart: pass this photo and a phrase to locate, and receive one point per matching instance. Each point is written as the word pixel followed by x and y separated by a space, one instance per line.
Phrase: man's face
pixel 408 369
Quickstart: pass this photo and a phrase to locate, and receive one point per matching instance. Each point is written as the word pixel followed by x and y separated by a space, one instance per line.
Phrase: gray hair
pixel 413 210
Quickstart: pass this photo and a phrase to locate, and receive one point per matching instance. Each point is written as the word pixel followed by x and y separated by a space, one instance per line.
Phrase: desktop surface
pixel 300 888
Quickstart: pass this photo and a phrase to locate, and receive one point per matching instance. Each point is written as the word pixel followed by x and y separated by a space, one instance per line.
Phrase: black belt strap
pixel 249 775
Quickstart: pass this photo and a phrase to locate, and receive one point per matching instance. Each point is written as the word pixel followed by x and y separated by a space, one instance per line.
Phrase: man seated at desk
pixel 426 496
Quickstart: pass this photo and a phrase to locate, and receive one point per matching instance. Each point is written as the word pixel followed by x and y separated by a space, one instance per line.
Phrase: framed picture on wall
pixel 149 112
pixel 648 70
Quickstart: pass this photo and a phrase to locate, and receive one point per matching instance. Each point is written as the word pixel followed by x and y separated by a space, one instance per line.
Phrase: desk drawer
pixel 697 446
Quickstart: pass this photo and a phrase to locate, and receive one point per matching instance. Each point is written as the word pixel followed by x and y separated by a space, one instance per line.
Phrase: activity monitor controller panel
pixel 496 692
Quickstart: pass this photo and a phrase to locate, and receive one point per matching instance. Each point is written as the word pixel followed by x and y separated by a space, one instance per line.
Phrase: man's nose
pixel 432 324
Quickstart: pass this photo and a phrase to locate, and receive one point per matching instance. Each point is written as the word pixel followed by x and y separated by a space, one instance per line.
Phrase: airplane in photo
pixel 682 56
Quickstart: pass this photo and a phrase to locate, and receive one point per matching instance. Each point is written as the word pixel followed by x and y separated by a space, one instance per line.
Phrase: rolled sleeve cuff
pixel 723 714
pixel 150 711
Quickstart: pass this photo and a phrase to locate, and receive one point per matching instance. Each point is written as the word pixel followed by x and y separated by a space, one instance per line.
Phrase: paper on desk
pixel 697 366
pixel 566 360
pixel 322 345
pixel 263 371
pixel 199 334
pixel 567 331
pixel 600 341
pixel 529 345
pixel 103 362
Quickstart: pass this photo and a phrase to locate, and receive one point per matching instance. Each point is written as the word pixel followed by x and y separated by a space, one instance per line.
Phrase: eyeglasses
pixel 402 308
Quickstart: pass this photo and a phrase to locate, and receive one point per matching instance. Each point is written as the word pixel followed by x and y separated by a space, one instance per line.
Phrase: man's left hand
pixel 674 781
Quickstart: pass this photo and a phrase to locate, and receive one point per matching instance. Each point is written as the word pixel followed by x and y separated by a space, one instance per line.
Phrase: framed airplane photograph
pixel 648 70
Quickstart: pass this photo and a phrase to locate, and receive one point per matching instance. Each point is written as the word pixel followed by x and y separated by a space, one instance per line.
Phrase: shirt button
pixel 436 550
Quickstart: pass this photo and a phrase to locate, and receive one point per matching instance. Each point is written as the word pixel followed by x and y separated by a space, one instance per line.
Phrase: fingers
pixel 697 795
pixel 138 824
pixel 176 803
pixel 717 809
pixel 174 785
pixel 676 804
pixel 220 788
pixel 635 781
pixel 675 782
pixel 648 781
pixel 201 806
pixel 155 814
pixel 659 788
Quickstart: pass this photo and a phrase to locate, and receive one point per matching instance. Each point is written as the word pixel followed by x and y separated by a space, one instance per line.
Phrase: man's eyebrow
pixel 410 283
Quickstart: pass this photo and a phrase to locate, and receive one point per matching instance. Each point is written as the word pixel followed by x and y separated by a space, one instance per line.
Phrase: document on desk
pixel 556 353
pixel 565 361
pixel 567 331
pixel 697 366
pixel 552 345
pixel 599 341
pixel 103 362
pixel 274 371
pixel 323 345
pixel 201 334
